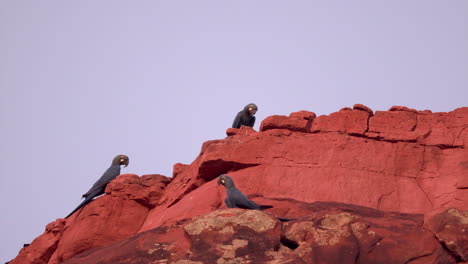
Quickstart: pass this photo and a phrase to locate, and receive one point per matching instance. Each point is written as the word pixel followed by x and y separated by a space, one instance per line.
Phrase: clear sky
pixel 83 81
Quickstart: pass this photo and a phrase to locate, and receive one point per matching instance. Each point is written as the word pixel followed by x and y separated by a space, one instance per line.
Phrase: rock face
pixel 451 229
pixel 42 248
pixel 364 164
pixel 330 233
pixel 115 216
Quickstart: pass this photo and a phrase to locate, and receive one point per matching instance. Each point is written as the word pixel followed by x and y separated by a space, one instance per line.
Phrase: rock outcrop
pixel 330 233
pixel 393 186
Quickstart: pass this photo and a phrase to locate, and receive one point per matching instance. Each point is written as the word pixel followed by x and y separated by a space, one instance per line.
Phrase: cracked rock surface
pixel 364 164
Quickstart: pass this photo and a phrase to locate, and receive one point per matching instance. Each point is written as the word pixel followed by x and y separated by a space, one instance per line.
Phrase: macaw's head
pixel 120 160
pixel 225 180
pixel 251 108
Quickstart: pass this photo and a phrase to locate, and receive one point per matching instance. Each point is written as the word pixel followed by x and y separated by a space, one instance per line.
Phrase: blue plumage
pixel 99 186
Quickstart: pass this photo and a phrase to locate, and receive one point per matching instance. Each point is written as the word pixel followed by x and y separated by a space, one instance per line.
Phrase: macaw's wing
pixel 88 199
pixel 239 200
pixel 252 121
pixel 237 121
pixel 100 185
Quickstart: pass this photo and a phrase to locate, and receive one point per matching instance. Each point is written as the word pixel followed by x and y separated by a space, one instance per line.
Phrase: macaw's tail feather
pixel 79 207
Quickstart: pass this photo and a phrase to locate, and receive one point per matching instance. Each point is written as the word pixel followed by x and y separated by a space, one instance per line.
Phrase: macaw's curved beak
pixel 220 181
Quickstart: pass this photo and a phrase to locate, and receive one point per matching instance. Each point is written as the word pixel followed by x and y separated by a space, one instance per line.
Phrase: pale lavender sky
pixel 83 81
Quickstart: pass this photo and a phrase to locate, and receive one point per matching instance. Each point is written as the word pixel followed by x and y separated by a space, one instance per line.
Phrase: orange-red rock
pixel 147 189
pixel 112 217
pixel 402 108
pixel 330 233
pixel 363 108
pixel 394 125
pixel 42 248
pixel 400 160
pixel 390 175
pixel 345 121
pixel 451 228
pixel 298 121
pixel 243 130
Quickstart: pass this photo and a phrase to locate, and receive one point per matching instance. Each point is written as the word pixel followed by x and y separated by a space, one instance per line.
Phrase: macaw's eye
pixel 250 108
pixel 222 181
pixel 122 160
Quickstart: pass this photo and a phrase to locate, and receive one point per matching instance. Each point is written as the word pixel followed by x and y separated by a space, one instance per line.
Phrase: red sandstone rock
pixel 394 126
pixel 298 122
pixel 348 121
pixel 451 228
pixel 346 109
pixel 146 189
pixel 105 220
pixel 444 129
pixel 402 108
pixel 425 112
pixel 225 236
pixel 178 169
pixel 147 247
pixel 363 108
pixel 330 233
pixel 303 115
pixel 155 186
pixel 338 233
pixel 112 217
pixel 42 248
pixel 435 129
pixel 395 176
pixel 243 130
pixel 399 176
pixel 405 161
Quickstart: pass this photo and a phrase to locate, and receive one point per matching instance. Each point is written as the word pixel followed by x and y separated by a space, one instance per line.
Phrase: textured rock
pixel 340 233
pixel 112 217
pixel 400 160
pixel 298 121
pixel 103 221
pixel 178 168
pixel 345 121
pixel 42 248
pixel 307 115
pixel 444 130
pixel 399 175
pixel 402 108
pixel 363 108
pixel 224 236
pixel 243 130
pixel 147 189
pixel 331 233
pixel 147 247
pixel 451 228
pixel 394 125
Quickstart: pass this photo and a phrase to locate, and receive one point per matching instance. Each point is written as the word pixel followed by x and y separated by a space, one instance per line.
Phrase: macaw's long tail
pixel 85 202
